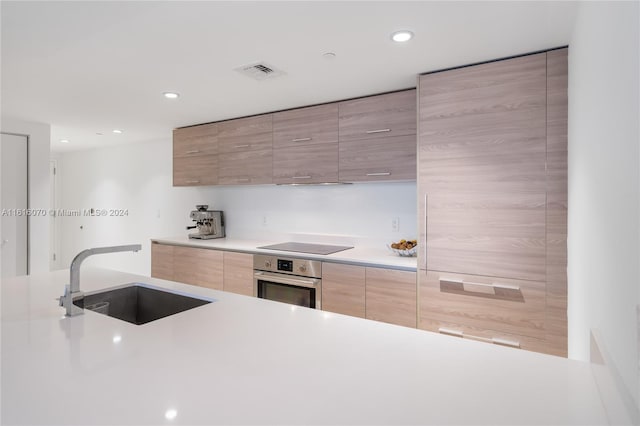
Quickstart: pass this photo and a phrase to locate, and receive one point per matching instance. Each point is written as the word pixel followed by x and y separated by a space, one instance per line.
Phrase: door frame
pixel 28 141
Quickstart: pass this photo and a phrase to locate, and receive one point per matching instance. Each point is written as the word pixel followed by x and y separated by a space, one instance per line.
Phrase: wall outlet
pixel 264 220
pixel 395 224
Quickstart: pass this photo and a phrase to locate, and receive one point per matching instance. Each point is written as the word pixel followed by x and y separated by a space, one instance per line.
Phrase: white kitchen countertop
pixel 358 255
pixel 243 360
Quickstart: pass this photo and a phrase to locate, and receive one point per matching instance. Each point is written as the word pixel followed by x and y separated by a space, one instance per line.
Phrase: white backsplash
pixel 138 178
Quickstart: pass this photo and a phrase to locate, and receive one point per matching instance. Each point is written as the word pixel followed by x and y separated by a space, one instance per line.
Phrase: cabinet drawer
pixel 393 158
pixel 488 336
pixel 486 303
pixel 195 170
pixel 195 140
pixel 306 126
pixel 306 164
pixel 246 134
pixel 382 116
pixel 245 168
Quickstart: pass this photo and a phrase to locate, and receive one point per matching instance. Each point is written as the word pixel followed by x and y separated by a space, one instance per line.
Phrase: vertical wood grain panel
pixel 162 261
pixel 391 296
pixel 197 266
pixel 238 273
pixel 482 154
pixel 343 289
pixel 557 113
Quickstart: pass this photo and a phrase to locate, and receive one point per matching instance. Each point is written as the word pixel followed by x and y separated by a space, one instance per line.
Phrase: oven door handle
pixel 279 279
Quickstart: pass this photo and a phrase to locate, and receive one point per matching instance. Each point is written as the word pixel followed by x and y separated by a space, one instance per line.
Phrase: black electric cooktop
pixel 306 248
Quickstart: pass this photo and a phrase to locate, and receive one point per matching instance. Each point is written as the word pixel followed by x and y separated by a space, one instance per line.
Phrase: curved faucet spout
pixel 72 291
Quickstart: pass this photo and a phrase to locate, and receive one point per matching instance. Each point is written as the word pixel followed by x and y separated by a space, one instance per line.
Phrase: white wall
pixel 604 184
pixel 138 178
pixel 39 141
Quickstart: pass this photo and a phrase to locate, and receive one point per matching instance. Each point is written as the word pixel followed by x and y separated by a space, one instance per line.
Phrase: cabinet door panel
pixel 392 158
pixel 245 168
pixel 305 126
pixel 195 140
pixel 198 266
pixel 343 289
pixel 238 273
pixel 306 164
pixel 162 261
pixel 382 116
pixel 482 163
pixel 195 170
pixel 245 134
pixel 391 296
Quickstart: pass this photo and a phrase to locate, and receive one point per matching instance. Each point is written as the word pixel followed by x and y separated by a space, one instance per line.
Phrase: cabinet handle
pixel 492 286
pixel 243 180
pixel 301 177
pixel 242 146
pixel 378 131
pixel 193 151
pixel 193 181
pixel 424 244
pixel 494 340
pixel 379 174
pixel 300 139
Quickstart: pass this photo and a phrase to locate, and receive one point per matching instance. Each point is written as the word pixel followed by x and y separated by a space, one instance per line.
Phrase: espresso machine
pixel 210 223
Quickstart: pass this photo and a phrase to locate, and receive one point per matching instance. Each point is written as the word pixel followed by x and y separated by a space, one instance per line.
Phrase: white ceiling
pixel 89 67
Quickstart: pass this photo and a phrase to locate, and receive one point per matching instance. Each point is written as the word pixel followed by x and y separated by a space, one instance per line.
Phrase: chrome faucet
pixel 72 290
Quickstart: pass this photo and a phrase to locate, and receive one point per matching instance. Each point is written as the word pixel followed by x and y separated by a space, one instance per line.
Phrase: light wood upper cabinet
pixel 238 273
pixel 195 140
pixel 378 159
pixel 482 169
pixel 378 138
pixel 195 159
pixel 305 126
pixel 305 145
pixel 380 116
pixel 246 152
pixel 343 289
pixel 391 296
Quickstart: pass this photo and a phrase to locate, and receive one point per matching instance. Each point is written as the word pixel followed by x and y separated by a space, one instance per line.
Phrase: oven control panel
pixel 286 265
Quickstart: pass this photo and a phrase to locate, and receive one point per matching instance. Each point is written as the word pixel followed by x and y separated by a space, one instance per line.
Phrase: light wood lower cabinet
pixel 238 273
pixel 391 296
pixel 343 289
pixel 216 269
pixel 499 305
pixel 162 261
pixel 198 266
pixel 379 294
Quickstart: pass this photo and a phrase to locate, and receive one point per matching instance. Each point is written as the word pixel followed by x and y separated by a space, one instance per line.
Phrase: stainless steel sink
pixel 138 303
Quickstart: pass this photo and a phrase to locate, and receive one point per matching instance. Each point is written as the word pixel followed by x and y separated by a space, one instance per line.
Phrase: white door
pixel 13 200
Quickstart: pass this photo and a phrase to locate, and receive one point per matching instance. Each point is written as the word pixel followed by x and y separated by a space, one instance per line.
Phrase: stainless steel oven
pixel 288 280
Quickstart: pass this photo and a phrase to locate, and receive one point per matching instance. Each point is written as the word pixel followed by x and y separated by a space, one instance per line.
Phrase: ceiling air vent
pixel 259 71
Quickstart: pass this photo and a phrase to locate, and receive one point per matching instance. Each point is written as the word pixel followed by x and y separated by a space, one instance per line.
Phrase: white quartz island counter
pixel 243 360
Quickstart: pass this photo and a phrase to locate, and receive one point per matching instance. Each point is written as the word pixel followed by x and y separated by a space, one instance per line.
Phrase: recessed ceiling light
pixel 402 36
pixel 64 140
pixel 117 131
pixel 99 134
pixel 171 95
pixel 329 55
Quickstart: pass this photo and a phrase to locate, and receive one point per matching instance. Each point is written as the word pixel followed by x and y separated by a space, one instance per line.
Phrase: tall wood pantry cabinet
pixel 492 187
